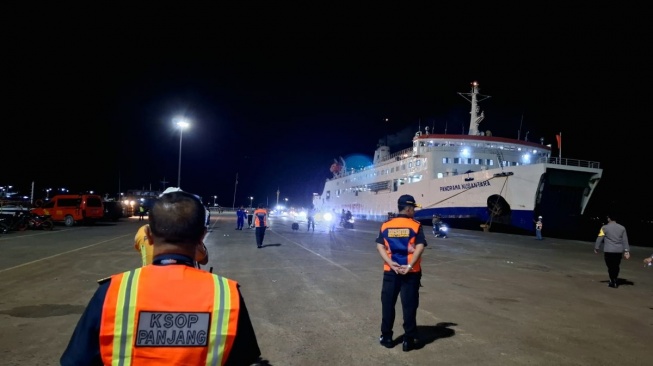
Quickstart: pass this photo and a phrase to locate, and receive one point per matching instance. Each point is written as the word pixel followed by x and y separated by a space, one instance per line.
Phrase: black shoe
pixel 259 246
pixel 612 284
pixel 411 343
pixel 386 341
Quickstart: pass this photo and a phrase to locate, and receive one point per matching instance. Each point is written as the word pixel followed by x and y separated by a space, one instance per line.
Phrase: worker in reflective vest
pixel 260 223
pixel 401 243
pixel 198 319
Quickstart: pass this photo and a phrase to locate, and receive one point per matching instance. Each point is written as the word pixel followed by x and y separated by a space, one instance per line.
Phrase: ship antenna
pixel 386 132
pixel 475 98
pixel 520 123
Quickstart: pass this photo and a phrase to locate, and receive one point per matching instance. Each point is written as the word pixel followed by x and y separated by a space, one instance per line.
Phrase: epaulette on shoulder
pixel 103 280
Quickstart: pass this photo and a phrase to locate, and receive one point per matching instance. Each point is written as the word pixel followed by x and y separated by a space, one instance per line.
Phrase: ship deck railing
pixel 571 162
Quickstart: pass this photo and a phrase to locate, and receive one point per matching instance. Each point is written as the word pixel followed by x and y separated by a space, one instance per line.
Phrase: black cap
pixel 407 200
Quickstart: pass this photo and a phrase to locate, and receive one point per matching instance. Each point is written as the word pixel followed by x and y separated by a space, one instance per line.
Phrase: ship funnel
pixel 381 154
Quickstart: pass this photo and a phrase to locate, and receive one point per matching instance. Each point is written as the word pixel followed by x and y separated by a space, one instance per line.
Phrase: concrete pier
pixel 314 297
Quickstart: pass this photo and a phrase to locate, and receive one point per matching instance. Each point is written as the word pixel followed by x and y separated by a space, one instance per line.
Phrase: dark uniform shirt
pixel 84 346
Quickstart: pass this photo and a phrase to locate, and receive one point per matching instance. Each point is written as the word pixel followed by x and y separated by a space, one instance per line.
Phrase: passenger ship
pixel 492 180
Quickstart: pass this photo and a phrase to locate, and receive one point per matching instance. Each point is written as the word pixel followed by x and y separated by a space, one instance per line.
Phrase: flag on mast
pixel 559 139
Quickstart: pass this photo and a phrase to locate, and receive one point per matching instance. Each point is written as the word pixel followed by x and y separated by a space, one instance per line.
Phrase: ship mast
pixel 475 98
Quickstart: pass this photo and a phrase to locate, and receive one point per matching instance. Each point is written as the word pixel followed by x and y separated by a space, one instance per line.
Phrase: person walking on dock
pixel 310 218
pixel 614 239
pixel 538 228
pixel 260 223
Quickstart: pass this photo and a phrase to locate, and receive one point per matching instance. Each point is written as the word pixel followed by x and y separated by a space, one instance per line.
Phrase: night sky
pixel 274 95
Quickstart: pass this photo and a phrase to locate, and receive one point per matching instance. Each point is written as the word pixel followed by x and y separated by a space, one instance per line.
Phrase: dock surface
pixel 314 297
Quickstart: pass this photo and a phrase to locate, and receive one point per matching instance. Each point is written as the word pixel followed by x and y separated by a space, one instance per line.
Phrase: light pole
pixel 250 201
pixel 214 198
pixel 182 123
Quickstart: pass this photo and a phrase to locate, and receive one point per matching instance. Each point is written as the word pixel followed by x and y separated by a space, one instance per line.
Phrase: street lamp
pixel 182 123
pixel 214 198
pixel 250 201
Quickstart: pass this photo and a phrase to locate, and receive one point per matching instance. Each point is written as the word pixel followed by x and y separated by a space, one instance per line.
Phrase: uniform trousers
pixel 260 234
pixel 311 222
pixel 408 287
pixel 613 261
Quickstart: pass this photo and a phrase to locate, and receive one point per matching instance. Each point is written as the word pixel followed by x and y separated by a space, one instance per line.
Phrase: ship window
pixel 445 161
pixel 328 194
pixel 440 175
pixel 456 160
pixel 477 161
pixel 418 163
pixel 410 164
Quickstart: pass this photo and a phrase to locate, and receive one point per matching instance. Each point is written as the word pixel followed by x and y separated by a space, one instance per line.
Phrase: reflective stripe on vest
pixel 128 331
pixel 399 238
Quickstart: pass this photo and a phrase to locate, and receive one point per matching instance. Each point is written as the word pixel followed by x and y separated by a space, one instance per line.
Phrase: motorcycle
pixel 43 222
pixel 17 222
pixel 347 223
pixel 440 230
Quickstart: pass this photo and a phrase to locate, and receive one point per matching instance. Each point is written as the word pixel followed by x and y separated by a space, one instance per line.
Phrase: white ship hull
pixel 513 197
pixel 493 180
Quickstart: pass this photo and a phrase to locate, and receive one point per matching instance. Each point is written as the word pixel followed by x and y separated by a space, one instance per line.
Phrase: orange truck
pixel 73 209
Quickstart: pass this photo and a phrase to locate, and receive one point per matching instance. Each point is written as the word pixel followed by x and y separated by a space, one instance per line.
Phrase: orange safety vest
pixel 169 315
pixel 399 236
pixel 260 217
